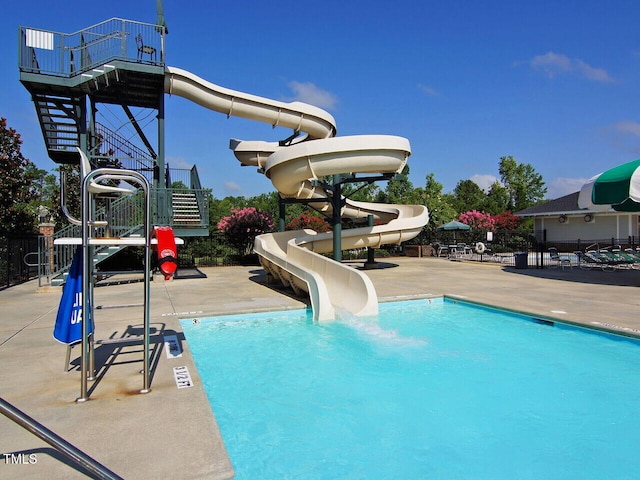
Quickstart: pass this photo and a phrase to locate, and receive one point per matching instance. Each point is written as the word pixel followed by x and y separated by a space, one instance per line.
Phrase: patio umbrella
pixel 453 227
pixel 617 188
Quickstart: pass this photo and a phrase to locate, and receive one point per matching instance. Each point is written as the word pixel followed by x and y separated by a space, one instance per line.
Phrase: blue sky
pixel 553 83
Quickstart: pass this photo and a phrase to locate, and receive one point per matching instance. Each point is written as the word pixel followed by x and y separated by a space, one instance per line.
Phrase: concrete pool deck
pixel 171 432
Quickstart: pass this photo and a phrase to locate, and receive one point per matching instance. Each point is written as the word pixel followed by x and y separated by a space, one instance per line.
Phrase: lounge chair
pixel 633 254
pixel 623 259
pixel 592 259
pixel 558 260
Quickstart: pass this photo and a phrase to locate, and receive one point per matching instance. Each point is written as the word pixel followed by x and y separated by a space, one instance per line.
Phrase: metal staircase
pixel 59 118
pixel 185 208
pixel 75 78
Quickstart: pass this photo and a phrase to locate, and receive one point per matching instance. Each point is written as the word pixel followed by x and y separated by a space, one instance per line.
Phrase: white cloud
pixel 308 92
pixel 558 187
pixel 624 136
pixel 553 64
pixel 232 188
pixel 629 127
pixel 428 90
pixel 561 186
pixel 484 181
pixel 592 73
pixel 178 162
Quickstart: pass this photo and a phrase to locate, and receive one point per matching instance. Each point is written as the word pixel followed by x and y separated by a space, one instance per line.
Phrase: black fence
pixel 19 253
pixel 594 244
pixel 211 251
pixel 15 254
pixel 215 251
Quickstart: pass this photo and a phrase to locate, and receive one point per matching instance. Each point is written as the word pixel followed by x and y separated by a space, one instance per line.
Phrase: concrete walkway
pixel 171 432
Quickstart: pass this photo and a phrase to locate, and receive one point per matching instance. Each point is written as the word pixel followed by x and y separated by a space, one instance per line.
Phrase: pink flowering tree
pixel 478 220
pixel 243 226
pixel 306 220
pixel 507 221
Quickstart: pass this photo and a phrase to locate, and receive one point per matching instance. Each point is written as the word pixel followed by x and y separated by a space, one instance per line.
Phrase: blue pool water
pixel 429 390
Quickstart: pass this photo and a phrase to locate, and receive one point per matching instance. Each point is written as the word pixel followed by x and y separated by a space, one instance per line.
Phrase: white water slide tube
pixel 293 257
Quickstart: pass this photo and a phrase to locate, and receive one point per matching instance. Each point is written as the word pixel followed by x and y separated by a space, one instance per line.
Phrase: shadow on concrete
pixel 32 455
pixel 259 276
pixel 620 277
pixel 128 348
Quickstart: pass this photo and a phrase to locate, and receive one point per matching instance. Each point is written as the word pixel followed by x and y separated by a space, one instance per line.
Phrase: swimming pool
pixel 429 389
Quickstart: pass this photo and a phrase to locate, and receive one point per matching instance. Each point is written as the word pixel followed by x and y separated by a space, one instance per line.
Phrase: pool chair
pixel 596 259
pixel 610 258
pixel 634 254
pixel 558 260
pixel 623 259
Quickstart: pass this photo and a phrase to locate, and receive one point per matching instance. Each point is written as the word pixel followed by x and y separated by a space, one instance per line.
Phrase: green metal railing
pixel 125 217
pixel 68 54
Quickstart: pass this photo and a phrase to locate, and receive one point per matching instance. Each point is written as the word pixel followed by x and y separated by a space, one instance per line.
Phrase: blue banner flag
pixel 68 328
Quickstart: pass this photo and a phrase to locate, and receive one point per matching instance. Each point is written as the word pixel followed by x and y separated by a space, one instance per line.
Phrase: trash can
pixel 521 259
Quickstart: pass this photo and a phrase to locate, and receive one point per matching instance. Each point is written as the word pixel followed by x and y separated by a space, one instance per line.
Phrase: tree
pixel 17 190
pixel 440 209
pixel 220 208
pixel 507 221
pixel 497 200
pixel 266 202
pixel 243 226
pixel 360 192
pixel 398 190
pixel 468 195
pixel 524 186
pixel 309 220
pixel 179 185
pixel 477 220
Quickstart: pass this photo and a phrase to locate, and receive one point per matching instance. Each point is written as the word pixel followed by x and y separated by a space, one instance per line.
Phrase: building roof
pixel 559 206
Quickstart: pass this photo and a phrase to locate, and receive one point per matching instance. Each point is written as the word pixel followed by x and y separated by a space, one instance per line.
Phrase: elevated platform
pixel 59 99
pixel 114 62
pixel 120 82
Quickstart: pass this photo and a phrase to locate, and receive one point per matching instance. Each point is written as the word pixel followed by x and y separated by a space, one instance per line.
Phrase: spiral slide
pixel 293 257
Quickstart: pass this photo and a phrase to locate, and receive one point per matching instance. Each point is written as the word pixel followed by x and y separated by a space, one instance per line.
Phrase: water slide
pixel 294 257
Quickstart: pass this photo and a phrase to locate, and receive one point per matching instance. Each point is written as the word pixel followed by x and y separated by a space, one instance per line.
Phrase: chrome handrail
pixel 60 444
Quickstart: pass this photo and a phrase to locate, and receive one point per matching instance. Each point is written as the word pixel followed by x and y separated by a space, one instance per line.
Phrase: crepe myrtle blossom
pixel 306 220
pixel 477 220
pixel 243 226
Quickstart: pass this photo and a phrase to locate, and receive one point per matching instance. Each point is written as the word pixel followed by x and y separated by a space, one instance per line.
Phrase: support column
pixel 371 260
pixel 159 178
pixel 336 218
pixel 282 214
